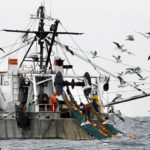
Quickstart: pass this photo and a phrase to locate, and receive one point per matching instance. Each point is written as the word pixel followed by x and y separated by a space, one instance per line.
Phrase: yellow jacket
pixel 95 97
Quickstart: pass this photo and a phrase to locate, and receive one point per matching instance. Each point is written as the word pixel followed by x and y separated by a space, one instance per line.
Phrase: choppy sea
pixel 138 127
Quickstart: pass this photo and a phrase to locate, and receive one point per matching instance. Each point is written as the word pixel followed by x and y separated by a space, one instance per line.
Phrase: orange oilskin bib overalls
pixel 53 101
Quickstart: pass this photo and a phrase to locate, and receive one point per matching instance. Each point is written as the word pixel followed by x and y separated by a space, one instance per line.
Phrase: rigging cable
pixel 81 51
pixel 11 45
pixel 16 42
pixel 3 58
pixel 108 59
pixel 14 51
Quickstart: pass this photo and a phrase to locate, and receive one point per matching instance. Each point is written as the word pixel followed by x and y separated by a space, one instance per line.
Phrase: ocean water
pixel 138 127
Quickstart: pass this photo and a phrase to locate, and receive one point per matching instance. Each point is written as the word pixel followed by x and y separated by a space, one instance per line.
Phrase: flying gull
pixel 146 35
pixel 133 70
pixel 118 96
pixel 119 115
pixel 117 58
pixel 120 47
pixel 130 53
pixel 121 73
pixel 135 85
pixel 141 77
pixel 130 38
pixel 2 50
pixel 94 54
pixel 122 82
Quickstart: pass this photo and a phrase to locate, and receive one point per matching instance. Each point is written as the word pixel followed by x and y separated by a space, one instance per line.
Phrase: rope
pixel 108 59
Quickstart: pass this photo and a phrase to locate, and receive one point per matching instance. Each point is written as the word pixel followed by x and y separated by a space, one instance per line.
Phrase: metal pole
pixel 128 99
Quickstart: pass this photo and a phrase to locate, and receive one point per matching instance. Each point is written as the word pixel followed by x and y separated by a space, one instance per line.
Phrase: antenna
pixel 44 3
pixel 50 8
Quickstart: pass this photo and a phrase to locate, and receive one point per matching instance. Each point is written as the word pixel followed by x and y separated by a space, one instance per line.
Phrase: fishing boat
pixel 40 94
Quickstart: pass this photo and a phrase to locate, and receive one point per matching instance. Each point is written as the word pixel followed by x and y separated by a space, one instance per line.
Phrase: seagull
pixel 25 36
pixel 130 53
pixel 118 96
pixel 94 54
pixel 137 69
pixel 137 85
pixel 119 115
pixel 133 70
pixel 143 92
pixel 118 58
pixel 122 82
pixel 2 50
pixel 106 84
pixel 141 77
pixel 128 72
pixel 106 79
pixel 146 35
pixel 120 47
pixel 120 74
pixel 130 38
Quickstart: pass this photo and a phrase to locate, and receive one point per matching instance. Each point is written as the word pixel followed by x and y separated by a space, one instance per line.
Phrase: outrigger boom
pixel 128 99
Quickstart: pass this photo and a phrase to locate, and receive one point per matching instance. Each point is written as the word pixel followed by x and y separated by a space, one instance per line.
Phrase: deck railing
pixel 47 107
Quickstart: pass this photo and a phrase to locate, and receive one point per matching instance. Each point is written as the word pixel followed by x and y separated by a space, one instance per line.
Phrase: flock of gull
pixel 121 47
pixel 132 70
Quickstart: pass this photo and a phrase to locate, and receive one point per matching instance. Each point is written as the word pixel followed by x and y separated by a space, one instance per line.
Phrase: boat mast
pixel 54 30
pixel 41 15
pixel 42 38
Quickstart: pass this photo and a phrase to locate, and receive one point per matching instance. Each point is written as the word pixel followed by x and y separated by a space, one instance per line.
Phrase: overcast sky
pixel 102 22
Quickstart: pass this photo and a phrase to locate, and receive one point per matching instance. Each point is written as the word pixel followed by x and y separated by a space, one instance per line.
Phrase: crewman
pixel 53 101
pixel 87 112
pixel 96 102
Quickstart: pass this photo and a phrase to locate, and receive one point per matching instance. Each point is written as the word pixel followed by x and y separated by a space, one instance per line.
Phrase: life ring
pixel 43 98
